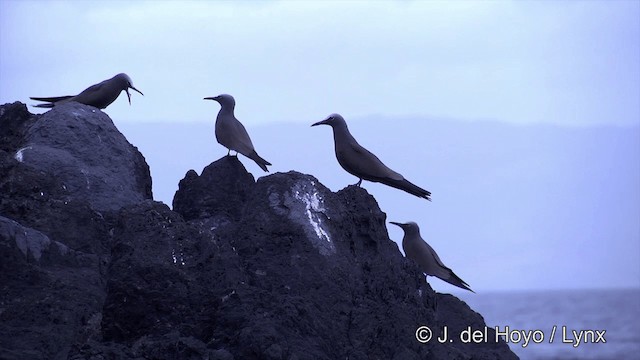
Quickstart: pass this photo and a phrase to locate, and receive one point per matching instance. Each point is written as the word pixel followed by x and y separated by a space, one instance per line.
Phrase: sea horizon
pixel 563 324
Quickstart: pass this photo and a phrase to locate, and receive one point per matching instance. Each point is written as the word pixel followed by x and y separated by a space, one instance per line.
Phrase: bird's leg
pixel 358 183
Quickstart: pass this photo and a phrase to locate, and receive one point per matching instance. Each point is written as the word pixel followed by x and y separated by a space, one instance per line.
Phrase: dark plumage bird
pixel 99 95
pixel 422 254
pixel 360 162
pixel 231 134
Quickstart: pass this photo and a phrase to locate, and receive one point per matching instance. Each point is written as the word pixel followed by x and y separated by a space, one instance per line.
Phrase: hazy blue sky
pixel 569 62
pixel 545 66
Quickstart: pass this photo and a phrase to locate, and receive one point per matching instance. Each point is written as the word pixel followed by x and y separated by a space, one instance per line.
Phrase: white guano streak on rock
pixel 313 202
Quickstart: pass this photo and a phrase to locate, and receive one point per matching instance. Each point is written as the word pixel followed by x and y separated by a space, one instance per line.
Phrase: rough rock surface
pixel 281 268
pixel 79 146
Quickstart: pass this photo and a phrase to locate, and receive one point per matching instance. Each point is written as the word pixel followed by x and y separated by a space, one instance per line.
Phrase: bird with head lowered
pixel 99 95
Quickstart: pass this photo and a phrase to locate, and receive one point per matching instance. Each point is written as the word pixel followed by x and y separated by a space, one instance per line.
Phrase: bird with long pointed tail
pixel 99 95
pixel 416 249
pixel 230 132
pixel 363 164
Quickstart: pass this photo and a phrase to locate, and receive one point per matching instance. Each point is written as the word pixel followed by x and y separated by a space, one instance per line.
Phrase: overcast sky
pixel 566 62
pixel 556 63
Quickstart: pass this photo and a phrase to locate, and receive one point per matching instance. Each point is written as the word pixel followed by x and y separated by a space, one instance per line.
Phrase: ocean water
pixel 609 320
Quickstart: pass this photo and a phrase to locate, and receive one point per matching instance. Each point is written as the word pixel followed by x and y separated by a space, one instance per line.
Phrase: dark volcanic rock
pixel 16 119
pixel 323 280
pixel 48 293
pixel 281 268
pixel 63 175
pixel 219 193
pixel 79 145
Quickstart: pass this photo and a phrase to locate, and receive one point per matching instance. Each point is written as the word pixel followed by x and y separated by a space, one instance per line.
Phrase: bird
pixel 230 132
pixel 416 249
pixel 99 95
pixel 363 164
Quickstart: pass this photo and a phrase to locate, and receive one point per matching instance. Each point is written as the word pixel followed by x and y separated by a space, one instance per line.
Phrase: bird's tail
pixel 260 161
pixel 455 280
pixel 51 100
pixel 407 186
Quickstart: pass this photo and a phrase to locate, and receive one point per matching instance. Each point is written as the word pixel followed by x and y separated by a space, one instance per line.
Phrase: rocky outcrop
pixel 80 148
pixel 278 268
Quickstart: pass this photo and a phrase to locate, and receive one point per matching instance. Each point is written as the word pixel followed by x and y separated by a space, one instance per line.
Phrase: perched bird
pixel 231 134
pixel 99 95
pixel 361 163
pixel 422 254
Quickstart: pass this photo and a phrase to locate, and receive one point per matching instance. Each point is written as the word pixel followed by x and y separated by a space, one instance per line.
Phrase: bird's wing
pixel 430 263
pixel 99 95
pixel 52 99
pixel 242 141
pixel 434 255
pixel 362 163
pixel 421 255
pixel 428 260
pixel 442 271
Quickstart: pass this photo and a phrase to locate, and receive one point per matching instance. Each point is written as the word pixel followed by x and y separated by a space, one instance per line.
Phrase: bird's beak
pixel 140 92
pixel 211 98
pixel 129 95
pixel 395 223
pixel 323 122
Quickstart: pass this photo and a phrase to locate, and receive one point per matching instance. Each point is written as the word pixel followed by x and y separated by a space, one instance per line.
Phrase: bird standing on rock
pixel 231 134
pixel 99 95
pixel 416 249
pixel 361 163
